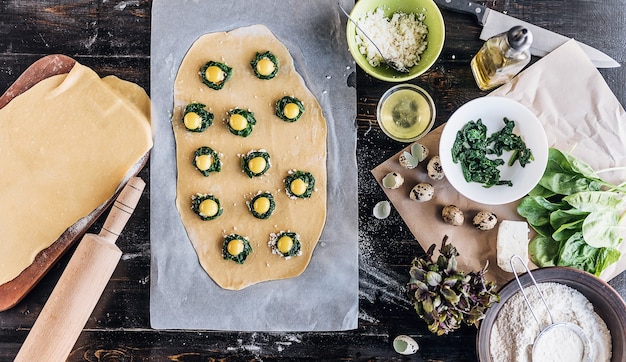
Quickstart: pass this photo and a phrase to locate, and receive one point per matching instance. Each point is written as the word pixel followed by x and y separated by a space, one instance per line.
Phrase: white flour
pixel 515 329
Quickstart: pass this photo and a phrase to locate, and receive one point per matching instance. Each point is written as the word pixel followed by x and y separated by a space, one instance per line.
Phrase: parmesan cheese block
pixel 66 144
pixel 512 240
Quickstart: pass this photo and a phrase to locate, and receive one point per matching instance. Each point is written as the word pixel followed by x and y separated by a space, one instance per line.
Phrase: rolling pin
pixel 74 297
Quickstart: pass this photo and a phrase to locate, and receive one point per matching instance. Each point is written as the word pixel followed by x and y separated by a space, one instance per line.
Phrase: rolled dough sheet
pixel 298 145
pixel 325 296
pixel 65 146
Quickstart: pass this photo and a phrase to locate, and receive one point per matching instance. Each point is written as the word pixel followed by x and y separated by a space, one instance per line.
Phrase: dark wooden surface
pixel 113 37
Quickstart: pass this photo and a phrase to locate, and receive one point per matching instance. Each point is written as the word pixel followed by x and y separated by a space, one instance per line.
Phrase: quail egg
pixel 434 169
pixel 419 151
pixel 416 154
pixel 452 215
pixel 485 220
pixel 408 161
pixel 392 180
pixel 405 345
pixel 422 192
pixel 382 210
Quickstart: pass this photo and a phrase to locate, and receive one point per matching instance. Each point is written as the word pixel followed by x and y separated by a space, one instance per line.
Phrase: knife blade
pixel 544 41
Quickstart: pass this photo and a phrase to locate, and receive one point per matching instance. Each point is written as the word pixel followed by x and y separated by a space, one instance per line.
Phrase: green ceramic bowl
pixel 435 37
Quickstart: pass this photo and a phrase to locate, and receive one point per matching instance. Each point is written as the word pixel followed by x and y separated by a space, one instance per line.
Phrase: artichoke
pixel 445 297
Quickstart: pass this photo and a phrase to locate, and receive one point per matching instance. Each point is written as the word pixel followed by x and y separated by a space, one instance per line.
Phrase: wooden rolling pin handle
pixel 122 209
pixel 76 294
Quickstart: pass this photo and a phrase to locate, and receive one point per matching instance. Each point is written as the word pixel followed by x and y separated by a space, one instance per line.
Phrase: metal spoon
pixel 393 63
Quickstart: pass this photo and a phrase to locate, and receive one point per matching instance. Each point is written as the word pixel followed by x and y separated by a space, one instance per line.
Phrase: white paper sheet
pixel 325 296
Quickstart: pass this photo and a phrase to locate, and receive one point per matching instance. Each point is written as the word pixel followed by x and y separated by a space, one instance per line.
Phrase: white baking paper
pixel 325 296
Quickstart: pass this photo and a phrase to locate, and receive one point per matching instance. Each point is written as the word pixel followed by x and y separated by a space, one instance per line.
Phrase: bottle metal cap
pixel 519 38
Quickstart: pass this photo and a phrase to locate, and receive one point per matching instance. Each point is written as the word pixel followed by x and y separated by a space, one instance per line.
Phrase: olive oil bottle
pixel 502 57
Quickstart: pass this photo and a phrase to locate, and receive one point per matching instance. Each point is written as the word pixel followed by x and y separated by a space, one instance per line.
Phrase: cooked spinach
pixel 472 146
pixel 264 56
pixel 295 247
pixel 205 116
pixel 578 224
pixel 245 163
pixel 305 177
pixel 240 258
pixel 288 101
pixel 227 72
pixel 251 121
pixel 197 199
pixel 216 163
pixel 266 214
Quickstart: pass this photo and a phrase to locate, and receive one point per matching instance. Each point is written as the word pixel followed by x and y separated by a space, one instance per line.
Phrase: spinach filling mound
pixel 206 206
pixel 289 109
pixel 215 74
pixel 264 65
pixel 255 163
pixel 236 248
pixel 262 205
pixel 196 118
pixel 241 122
pixel 206 160
pixel 299 184
pixel 286 244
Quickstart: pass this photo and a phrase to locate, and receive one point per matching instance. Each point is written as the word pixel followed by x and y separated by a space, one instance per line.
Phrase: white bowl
pixel 492 110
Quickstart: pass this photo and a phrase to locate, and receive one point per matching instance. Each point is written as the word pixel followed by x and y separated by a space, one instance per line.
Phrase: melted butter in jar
pixel 406 113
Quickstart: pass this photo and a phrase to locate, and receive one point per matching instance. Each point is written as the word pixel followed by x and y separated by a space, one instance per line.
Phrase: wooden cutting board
pixel 15 290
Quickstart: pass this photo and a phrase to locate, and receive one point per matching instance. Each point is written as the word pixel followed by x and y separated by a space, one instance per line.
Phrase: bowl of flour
pixel 509 330
pixel 411 32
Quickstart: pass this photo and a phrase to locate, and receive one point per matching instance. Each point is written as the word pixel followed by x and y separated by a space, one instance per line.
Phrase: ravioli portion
pixel 254 161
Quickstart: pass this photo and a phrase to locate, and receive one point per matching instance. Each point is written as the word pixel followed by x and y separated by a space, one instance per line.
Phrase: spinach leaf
pixel 601 229
pixel 578 224
pixel 596 200
pixel 543 251
pixel 576 253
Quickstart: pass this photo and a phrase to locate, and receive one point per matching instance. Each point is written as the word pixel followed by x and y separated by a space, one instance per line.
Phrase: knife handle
pixel 466 7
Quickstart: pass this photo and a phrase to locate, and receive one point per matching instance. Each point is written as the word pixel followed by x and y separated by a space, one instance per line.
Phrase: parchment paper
pixel 580 115
pixel 325 296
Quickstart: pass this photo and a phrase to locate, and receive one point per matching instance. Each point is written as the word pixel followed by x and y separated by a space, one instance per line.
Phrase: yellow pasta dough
pixel 299 145
pixel 65 146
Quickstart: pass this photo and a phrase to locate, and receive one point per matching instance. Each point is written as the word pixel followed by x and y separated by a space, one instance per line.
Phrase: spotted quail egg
pixel 485 220
pixel 392 180
pixel 419 151
pixel 408 161
pixel 382 210
pixel 452 215
pixel 405 345
pixel 434 169
pixel 422 192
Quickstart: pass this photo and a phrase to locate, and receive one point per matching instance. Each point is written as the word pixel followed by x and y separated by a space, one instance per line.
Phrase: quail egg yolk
pixel 208 208
pixel 261 205
pixel 291 110
pixel 214 74
pixel 298 187
pixel 257 164
pixel 265 66
pixel 192 120
pixel 235 247
pixel 284 244
pixel 204 162
pixel 238 122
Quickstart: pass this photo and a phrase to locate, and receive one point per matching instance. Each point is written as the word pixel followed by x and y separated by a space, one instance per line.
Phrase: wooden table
pixel 113 37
